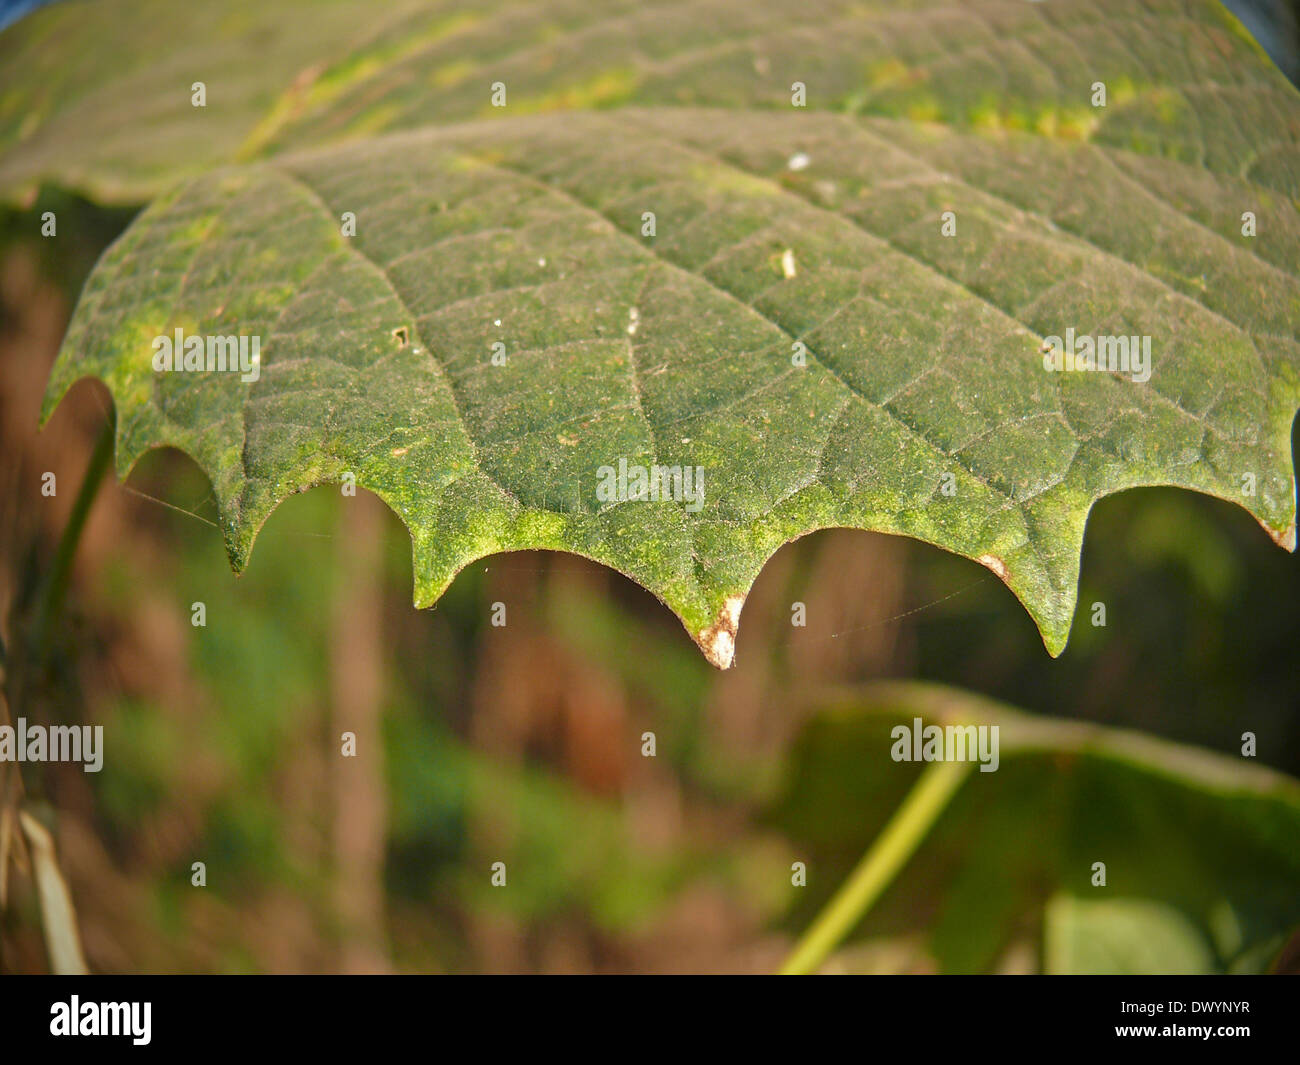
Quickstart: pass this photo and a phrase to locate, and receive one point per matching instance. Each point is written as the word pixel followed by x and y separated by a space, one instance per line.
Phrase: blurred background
pixel 523 743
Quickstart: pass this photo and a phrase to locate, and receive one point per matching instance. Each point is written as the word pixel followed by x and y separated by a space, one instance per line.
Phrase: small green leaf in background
pixel 1125 936
pixel 1199 848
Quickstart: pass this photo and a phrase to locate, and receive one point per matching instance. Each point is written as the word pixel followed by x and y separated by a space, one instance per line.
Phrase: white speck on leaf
pixel 995 564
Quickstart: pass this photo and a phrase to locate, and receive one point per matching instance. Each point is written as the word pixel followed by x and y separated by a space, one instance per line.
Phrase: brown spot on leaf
pixel 718 641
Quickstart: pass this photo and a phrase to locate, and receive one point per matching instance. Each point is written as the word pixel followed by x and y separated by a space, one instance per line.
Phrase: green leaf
pixel 775 227
pixel 1199 849
pixel 1122 936
pixel 98 95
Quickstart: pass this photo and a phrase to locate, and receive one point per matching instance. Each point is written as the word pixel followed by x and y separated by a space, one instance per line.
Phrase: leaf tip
pixel 718 641
pixel 1055 640
pixel 1284 538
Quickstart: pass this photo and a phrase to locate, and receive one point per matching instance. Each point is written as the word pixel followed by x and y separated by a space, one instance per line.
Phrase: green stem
pixel 55 585
pixel 890 852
